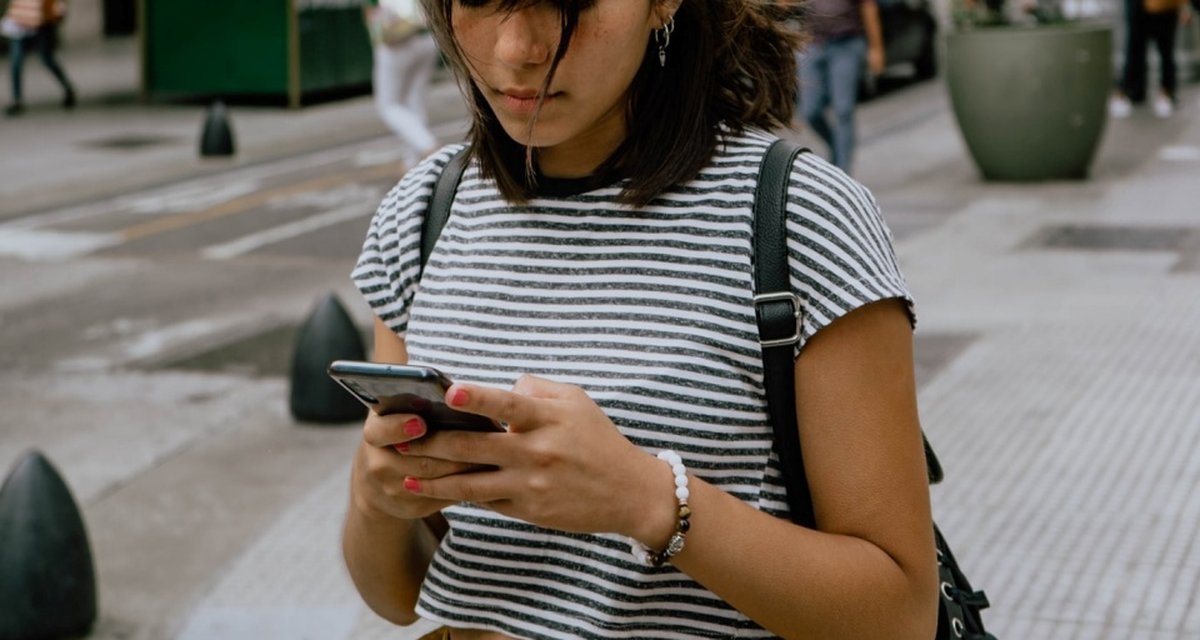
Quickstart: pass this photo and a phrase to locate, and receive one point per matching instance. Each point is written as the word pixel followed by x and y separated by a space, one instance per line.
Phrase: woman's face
pixel 582 119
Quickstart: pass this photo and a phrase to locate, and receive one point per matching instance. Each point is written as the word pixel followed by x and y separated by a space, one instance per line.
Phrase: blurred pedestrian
pixel 405 56
pixel 1149 21
pixel 843 35
pixel 34 24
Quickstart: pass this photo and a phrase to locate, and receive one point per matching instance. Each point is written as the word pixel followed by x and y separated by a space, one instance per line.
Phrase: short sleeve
pixel 388 271
pixel 840 249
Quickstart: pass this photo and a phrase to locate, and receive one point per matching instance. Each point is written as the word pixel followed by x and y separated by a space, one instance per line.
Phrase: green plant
pixel 971 14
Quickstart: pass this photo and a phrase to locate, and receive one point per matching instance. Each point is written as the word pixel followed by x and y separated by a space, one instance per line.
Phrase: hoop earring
pixel 663 38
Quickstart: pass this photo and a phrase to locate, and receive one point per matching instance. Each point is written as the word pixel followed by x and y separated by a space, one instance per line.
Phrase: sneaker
pixel 14 109
pixel 1164 106
pixel 1119 107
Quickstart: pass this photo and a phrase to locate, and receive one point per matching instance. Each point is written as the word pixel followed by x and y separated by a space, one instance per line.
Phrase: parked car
pixel 910 31
pixel 909 39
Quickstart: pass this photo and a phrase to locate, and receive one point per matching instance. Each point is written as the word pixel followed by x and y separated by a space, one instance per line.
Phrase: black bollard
pixel 47 579
pixel 217 137
pixel 329 334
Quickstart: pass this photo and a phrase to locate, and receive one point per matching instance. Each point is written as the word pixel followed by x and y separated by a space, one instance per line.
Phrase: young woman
pixel 592 291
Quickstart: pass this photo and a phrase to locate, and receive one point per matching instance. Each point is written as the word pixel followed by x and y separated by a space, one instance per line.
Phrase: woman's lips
pixel 523 103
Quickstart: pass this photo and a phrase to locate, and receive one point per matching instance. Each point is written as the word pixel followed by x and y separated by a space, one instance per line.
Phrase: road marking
pixel 150 343
pixel 31 244
pixel 146 342
pixel 209 183
pixel 254 241
pixel 372 157
pixel 21 238
pixel 70 214
pixel 192 197
pixel 1180 153
pixel 330 199
pixel 248 202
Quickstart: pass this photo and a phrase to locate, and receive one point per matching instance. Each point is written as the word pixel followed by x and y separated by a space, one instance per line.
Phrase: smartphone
pixel 397 388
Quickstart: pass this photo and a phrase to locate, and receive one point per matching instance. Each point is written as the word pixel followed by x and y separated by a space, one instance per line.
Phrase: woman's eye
pixel 583 5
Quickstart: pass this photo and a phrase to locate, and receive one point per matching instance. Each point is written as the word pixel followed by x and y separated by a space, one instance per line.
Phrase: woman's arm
pixel 386 555
pixel 870 571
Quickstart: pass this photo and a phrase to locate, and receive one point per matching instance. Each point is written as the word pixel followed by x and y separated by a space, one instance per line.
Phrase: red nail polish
pixel 402 447
pixel 459 397
pixel 412 484
pixel 414 427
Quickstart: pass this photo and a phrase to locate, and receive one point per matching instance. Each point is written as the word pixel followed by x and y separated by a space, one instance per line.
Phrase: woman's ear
pixel 664 11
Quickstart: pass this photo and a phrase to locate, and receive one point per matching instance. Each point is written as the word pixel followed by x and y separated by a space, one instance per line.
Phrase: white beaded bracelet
pixel 682 520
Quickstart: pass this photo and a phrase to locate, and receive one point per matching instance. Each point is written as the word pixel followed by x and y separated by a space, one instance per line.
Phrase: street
pixel 146 339
pixel 106 304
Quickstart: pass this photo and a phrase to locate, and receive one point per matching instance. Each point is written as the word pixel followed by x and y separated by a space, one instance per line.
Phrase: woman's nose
pixel 527 37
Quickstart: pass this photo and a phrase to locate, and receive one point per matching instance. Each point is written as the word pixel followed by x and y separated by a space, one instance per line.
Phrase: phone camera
pixel 362 393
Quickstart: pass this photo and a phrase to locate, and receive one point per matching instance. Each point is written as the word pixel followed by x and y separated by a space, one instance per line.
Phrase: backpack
pixel 777 309
pixel 1163 6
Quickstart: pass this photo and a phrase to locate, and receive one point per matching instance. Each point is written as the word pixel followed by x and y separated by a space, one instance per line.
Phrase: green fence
pixel 229 48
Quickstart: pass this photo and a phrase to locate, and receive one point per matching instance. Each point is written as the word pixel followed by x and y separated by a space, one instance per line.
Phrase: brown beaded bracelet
pixel 682 520
pixel 675 544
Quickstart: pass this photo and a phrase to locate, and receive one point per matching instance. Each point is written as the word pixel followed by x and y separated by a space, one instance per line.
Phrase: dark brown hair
pixel 730 63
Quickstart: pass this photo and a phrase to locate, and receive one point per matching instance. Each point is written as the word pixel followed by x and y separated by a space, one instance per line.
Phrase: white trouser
pixel 401 85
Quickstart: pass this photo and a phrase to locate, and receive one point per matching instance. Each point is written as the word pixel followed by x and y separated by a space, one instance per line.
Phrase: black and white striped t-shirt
pixel 649 310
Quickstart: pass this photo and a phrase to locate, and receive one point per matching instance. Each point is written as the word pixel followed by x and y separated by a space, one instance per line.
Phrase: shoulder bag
pixel 395 21
pixel 777 309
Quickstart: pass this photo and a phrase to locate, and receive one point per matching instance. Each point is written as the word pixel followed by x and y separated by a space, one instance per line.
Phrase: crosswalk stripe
pixel 257 240
pixel 32 244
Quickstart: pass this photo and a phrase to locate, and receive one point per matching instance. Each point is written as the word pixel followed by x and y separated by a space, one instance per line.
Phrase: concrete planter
pixel 1031 102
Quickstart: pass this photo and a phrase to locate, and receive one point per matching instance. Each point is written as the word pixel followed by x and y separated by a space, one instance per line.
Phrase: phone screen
pixel 394 388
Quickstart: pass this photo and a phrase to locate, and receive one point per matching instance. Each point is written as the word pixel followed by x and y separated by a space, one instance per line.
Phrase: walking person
pixel 405 56
pixel 33 24
pixel 591 291
pixel 1146 22
pixel 844 34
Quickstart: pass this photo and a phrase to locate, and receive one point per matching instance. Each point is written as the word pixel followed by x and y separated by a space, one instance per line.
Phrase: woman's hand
pixel 390 535
pixel 380 471
pixel 563 464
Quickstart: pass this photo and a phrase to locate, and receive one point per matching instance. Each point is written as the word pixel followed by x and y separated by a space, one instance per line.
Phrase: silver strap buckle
pixel 785 296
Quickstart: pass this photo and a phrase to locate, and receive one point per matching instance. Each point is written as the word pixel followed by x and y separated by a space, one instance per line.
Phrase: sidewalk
pixel 1059 339
pixel 1069 427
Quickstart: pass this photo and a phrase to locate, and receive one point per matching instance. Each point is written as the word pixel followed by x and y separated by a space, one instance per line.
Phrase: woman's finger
pixel 520 408
pixel 469 448
pixel 480 487
pixel 392 429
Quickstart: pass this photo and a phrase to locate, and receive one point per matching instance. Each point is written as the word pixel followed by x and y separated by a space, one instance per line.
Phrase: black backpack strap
pixel 443 196
pixel 777 308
